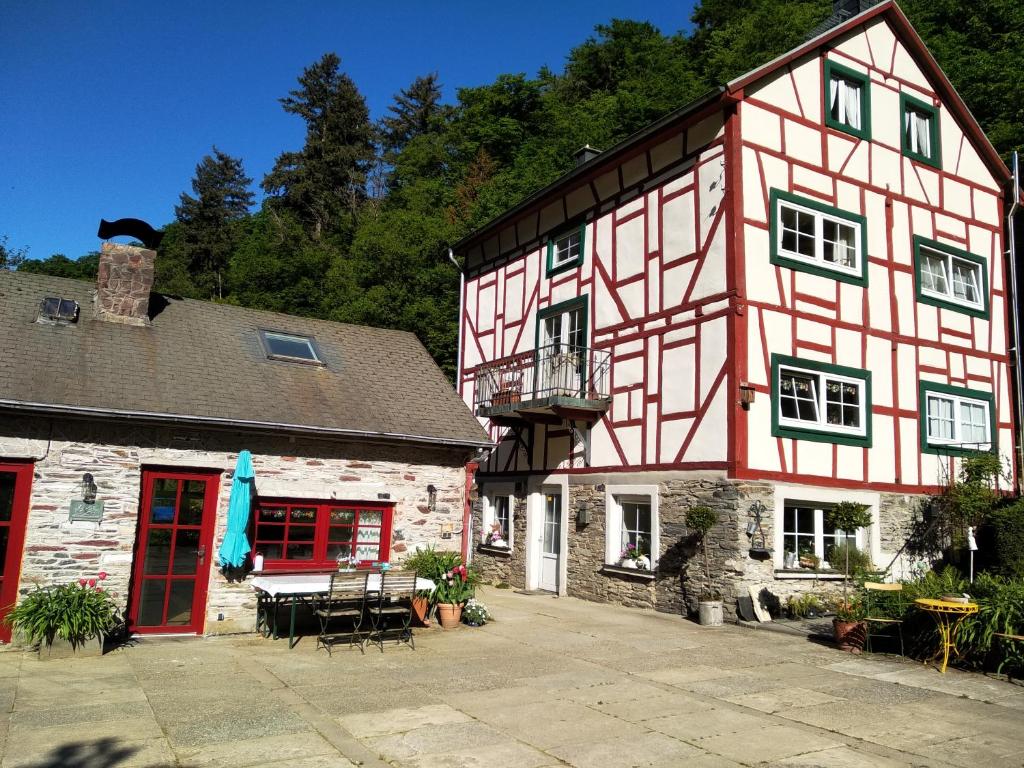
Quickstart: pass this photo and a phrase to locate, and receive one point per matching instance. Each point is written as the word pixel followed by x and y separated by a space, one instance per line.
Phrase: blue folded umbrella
pixel 235 546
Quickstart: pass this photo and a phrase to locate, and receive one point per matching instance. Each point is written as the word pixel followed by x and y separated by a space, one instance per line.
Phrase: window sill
pixel 797 573
pixel 627 573
pixel 494 551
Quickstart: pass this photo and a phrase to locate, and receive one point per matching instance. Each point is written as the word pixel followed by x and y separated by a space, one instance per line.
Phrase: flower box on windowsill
pixel 634 574
pixel 490 549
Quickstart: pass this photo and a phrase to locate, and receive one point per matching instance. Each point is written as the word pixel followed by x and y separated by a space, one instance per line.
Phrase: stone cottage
pixel 122 414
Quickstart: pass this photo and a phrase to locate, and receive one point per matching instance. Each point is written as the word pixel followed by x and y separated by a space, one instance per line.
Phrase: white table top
pixel 313 583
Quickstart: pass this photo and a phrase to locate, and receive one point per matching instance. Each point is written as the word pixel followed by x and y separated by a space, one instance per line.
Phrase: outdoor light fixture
pixel 88 489
pixel 431 498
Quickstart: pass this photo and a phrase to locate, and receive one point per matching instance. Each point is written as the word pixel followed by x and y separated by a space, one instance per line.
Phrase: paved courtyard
pixel 552 682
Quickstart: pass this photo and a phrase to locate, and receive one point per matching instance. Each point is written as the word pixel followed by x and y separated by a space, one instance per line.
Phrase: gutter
pixel 462 300
pixel 1018 365
pixel 213 421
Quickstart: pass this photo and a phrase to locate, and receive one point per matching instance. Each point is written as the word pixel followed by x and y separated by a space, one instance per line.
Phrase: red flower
pixel 92 582
pixel 82 582
pixel 102 575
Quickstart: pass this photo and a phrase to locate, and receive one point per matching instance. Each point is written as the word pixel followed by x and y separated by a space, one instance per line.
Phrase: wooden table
pixel 948 616
pixel 291 589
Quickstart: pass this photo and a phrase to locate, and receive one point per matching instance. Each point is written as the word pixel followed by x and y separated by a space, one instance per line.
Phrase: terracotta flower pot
pixel 849 635
pixel 421 610
pixel 450 614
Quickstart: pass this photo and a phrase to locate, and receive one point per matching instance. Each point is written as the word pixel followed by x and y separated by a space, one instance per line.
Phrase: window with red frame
pixel 296 535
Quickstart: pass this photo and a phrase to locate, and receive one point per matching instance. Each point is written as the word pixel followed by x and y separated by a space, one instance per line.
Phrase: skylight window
pixel 57 310
pixel 286 346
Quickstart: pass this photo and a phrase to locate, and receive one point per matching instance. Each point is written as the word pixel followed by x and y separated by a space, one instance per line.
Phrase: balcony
pixel 555 383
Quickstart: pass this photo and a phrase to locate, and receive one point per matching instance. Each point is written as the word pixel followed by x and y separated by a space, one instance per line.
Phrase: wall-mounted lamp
pixel 746 396
pixel 431 498
pixel 88 488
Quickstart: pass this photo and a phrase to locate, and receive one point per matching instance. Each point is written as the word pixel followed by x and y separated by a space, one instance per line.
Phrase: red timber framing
pixel 680 290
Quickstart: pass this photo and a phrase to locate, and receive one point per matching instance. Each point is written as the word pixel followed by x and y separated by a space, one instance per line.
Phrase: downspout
pixel 467 514
pixel 1018 365
pixel 462 300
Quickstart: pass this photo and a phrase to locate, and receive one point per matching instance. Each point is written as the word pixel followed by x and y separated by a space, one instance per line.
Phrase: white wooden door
pixel 551 542
pixel 562 354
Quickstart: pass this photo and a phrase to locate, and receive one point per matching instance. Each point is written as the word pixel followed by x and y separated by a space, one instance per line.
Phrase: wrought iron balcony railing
pixel 573 375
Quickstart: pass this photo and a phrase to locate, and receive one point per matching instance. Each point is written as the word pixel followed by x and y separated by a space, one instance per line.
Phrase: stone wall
pixel 494 565
pixel 60 551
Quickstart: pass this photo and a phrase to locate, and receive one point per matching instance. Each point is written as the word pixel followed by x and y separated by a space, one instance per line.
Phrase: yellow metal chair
pixel 875 594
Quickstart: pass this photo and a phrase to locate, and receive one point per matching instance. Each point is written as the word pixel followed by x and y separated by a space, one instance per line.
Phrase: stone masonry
pixel 124 281
pixel 58 551
pixel 679 579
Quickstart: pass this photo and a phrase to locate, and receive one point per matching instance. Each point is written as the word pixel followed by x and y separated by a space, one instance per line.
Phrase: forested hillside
pixel 355 222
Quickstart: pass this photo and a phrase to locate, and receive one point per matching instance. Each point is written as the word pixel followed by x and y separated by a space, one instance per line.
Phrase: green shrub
pixel 439 567
pixel 859 560
pixel 73 612
pixel 1008 529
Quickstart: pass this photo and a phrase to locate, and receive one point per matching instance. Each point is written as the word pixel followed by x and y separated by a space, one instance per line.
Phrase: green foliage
pixel 1008 526
pixel 11 258
pixel 454 583
pixel 73 612
pixel 848 607
pixel 859 561
pixel 59 265
pixel 701 519
pixel 848 516
pixel 801 606
pixel 475 612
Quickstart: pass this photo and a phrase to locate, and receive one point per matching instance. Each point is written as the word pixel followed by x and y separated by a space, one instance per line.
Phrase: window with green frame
pixel 950 278
pixel 920 131
pixel 956 421
pixel 847 100
pixel 810 236
pixel 566 249
pixel 819 401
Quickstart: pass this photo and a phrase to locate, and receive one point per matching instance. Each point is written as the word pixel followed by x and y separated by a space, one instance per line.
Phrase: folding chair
pixel 877 595
pixel 394 601
pixel 344 600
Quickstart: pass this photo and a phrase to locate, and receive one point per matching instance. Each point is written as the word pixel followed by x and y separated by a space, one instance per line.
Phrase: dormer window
pixel 290 347
pixel 565 250
pixel 57 310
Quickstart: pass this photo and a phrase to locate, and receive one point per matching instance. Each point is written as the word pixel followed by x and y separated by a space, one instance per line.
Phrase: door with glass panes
pixel 173 552
pixel 15 487
pixel 551 542
pixel 562 353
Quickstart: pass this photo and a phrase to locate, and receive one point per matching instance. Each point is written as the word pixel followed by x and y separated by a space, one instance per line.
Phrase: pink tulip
pixel 102 575
pixel 92 582
pixel 82 582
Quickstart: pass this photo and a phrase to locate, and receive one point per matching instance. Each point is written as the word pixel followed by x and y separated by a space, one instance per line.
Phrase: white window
pixel 952 278
pixel 808 541
pixel 819 238
pixel 631 520
pixel 957 421
pixel 917 127
pixel 566 249
pixel 821 401
pixel 845 98
pixel 497 520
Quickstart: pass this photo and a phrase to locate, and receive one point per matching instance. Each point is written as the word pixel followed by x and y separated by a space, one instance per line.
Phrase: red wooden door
pixel 15 487
pixel 173 552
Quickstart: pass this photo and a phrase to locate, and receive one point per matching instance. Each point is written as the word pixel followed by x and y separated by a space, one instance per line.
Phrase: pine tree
pixel 413 114
pixel 327 177
pixel 208 236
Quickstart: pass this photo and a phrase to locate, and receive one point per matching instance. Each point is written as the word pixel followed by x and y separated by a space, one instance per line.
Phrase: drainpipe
pixel 467 513
pixel 458 346
pixel 1015 318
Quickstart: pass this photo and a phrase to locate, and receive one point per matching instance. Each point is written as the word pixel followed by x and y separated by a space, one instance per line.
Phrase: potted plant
pixel 633 557
pixel 701 519
pixel 509 390
pixel 849 517
pixel 68 619
pixel 848 626
pixel 495 538
pixel 423 562
pixel 475 614
pixel 453 589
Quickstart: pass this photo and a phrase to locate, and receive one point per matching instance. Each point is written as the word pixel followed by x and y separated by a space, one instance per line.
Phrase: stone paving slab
pixel 551 682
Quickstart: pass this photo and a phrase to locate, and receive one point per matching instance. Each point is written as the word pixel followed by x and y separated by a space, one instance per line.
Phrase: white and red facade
pixel 704 314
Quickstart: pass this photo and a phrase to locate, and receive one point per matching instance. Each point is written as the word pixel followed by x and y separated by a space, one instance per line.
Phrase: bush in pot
pixel 848 517
pixel 701 519
pixel 75 614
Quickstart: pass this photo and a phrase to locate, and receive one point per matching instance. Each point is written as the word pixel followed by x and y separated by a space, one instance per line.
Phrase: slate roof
pixel 202 362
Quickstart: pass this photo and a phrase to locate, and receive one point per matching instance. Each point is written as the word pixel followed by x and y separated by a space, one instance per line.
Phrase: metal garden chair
pixel 345 601
pixel 394 601
pixel 876 597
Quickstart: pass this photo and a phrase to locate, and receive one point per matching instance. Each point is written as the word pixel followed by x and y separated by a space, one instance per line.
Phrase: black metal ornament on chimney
pixel 136 228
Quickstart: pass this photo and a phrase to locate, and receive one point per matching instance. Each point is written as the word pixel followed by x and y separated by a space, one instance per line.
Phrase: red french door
pixel 173 552
pixel 15 488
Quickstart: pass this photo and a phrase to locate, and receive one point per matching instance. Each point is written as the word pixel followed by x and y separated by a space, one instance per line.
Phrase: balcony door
pixel 562 351
pixel 15 486
pixel 173 551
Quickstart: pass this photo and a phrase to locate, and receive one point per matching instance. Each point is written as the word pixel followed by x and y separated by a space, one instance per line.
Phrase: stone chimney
pixel 125 280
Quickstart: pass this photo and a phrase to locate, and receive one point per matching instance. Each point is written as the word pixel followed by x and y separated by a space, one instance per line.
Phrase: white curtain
pixel 919 135
pixel 844 102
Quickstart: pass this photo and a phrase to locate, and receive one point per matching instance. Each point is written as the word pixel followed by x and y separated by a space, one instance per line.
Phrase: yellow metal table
pixel 948 616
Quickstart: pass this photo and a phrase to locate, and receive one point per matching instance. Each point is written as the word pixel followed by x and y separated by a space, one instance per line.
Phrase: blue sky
pixel 107 107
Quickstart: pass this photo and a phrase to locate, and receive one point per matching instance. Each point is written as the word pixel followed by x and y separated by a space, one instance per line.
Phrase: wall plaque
pixel 89 512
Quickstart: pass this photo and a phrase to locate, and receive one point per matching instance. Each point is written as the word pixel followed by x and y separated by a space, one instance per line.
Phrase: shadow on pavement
pixel 102 753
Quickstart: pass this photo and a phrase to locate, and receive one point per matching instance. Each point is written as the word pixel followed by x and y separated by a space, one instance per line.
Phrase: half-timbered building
pixel 789 293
